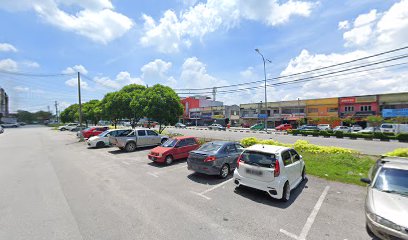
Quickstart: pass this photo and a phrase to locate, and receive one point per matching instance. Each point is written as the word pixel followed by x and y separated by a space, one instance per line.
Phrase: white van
pixel 394 128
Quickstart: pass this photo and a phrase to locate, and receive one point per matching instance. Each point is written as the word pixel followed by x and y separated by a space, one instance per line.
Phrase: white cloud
pixel 73 82
pixel 75 69
pixel 122 79
pixel 31 64
pixel 174 31
pixel 362 30
pixel 96 20
pixel 8 65
pixel 344 25
pixel 21 89
pixel 6 47
pixel 155 71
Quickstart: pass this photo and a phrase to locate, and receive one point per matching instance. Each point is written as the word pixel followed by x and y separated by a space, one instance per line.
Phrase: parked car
pixel 173 149
pixel 308 127
pixel 9 125
pixel 283 127
pixel 245 125
pixel 258 126
pixel 216 126
pixel 1 129
pixel 215 158
pixel 21 123
pixel 68 127
pixel 102 140
pixel 92 131
pixel 273 169
pixel 386 205
pixel 370 130
pixel 137 138
pixel 341 129
pixel 323 126
pixel 356 128
pixel 180 125
pixel 394 128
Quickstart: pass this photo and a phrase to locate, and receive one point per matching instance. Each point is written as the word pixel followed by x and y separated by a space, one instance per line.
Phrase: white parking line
pixel 166 170
pixel 201 194
pixel 310 219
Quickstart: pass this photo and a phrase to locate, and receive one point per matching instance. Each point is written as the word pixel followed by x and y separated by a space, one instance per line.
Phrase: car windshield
pixel 210 147
pixel 259 158
pixel 103 134
pixel 386 126
pixel 170 143
pixel 392 180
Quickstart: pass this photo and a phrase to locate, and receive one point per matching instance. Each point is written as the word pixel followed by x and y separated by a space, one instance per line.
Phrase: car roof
pixel 267 148
pixel 183 137
pixel 223 142
pixel 395 162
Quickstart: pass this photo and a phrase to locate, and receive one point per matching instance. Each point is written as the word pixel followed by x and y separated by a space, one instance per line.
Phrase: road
pixel 54 187
pixel 363 146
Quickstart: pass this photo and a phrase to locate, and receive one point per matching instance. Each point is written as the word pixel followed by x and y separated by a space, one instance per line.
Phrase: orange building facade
pixel 325 110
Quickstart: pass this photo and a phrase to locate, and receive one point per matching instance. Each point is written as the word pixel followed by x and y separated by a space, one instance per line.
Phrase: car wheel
pixel 163 140
pixel 100 144
pixel 224 171
pixel 169 160
pixel 286 192
pixel 130 147
pixel 303 174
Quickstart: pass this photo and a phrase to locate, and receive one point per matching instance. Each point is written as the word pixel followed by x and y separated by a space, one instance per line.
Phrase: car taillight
pixel 210 159
pixel 277 169
pixel 239 160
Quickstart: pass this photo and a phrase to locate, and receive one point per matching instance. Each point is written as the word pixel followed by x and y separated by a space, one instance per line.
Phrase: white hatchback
pixel 273 169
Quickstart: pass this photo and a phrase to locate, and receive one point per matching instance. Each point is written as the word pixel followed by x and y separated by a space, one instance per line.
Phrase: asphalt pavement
pixel 54 187
pixel 372 147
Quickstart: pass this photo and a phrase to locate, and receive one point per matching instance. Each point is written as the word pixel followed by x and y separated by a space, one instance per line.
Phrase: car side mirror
pixel 300 156
pixel 365 180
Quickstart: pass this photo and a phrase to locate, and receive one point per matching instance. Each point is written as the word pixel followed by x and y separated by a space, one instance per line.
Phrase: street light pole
pixel 266 103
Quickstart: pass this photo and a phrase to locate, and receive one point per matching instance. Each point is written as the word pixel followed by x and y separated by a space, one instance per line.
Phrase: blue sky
pixel 193 44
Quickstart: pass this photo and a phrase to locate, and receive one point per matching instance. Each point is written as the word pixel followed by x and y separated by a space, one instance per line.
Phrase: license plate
pixel 254 172
pixel 152 158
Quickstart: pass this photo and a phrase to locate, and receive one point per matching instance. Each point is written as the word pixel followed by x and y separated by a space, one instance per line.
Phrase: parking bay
pixel 243 213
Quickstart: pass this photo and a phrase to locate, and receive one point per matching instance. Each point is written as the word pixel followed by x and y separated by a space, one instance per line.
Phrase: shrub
pixel 399 152
pixel 325 133
pixel 403 137
pixel 338 134
pixel 294 132
pixel 246 142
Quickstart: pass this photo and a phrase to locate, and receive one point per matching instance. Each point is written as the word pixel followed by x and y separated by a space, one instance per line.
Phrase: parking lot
pixel 82 193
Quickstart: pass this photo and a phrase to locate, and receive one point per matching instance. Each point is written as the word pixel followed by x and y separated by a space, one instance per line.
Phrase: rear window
pixel 259 158
pixel 210 147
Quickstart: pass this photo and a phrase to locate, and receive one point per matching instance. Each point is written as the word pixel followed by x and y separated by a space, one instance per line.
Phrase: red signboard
pixel 348 100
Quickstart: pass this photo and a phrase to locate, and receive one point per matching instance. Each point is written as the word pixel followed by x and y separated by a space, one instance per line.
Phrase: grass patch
pixel 340 167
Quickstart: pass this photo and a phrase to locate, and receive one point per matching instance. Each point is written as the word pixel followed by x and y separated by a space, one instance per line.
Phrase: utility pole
pixel 266 103
pixel 81 138
pixel 56 110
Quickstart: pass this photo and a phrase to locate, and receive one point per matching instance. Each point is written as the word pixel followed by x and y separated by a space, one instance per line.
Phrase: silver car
pixel 386 206
pixel 137 138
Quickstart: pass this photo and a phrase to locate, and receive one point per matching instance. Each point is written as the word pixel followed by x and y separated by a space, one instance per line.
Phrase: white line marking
pixel 216 186
pixel 126 163
pixel 288 234
pixel 310 220
pixel 152 174
pixel 201 195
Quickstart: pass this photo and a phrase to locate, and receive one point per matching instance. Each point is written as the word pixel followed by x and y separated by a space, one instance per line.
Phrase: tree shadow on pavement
pixel 207 179
pixel 264 198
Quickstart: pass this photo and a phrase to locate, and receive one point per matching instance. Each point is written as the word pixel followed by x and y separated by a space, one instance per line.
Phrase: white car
pixel 341 129
pixel 274 169
pixel 69 127
pixel 356 128
pixel 323 126
pixel 102 140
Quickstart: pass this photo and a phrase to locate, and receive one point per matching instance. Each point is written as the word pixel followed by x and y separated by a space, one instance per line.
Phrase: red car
pixel 283 127
pixel 174 148
pixel 93 131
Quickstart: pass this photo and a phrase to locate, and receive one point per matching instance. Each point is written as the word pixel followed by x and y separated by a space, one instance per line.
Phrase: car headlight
pixel 160 154
pixel 384 222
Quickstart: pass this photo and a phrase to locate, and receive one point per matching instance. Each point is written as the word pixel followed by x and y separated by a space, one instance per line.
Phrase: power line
pixel 296 74
pixel 36 74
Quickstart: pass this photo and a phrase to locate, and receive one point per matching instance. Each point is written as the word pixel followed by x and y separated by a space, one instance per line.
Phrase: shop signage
pixel 365 99
pixel 403 112
pixel 348 100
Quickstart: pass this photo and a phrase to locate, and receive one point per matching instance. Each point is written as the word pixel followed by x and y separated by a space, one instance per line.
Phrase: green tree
pixel 92 111
pixel 25 116
pixel 70 114
pixel 42 115
pixel 115 106
pixel 161 104
pixel 135 93
pixel 348 121
pixel 374 120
